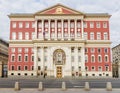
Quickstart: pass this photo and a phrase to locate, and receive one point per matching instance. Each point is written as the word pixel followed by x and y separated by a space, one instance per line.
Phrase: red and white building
pixel 60 42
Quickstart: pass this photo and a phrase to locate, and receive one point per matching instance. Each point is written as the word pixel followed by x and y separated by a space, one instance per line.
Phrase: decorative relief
pixel 59 10
pixel 59 57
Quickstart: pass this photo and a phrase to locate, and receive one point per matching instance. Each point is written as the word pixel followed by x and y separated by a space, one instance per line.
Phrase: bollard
pixel 63 86
pixel 40 87
pixel 17 86
pixel 109 86
pixel 87 86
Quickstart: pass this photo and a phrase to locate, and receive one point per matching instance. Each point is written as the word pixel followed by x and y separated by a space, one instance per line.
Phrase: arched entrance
pixel 59 59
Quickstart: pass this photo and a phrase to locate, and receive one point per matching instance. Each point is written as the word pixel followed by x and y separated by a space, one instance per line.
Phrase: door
pixel 59 72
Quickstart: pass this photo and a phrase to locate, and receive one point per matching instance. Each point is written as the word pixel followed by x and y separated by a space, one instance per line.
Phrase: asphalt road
pixel 56 83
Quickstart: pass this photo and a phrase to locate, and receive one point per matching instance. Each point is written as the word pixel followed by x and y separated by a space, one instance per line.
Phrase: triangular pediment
pixel 59 9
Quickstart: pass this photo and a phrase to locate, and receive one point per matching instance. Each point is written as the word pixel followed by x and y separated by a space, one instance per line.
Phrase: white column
pixel 42 37
pixel 42 58
pixel 55 29
pixel 75 28
pixel 35 59
pixel 83 61
pixel 82 29
pixel 49 29
pixel 69 29
pixel 36 29
pixel 62 27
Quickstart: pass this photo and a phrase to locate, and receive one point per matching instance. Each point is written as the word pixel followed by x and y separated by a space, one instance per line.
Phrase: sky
pixel 87 6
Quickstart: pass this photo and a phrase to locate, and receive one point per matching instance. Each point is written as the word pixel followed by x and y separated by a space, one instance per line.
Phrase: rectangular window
pixel 92 50
pixel 33 35
pixel 20 24
pixel 32 68
pixel 26 50
pixel 12 58
pixel 72 68
pixel 19 50
pixel 59 24
pixel 45 58
pixel 79 58
pixel 39 68
pixel 65 24
pixel 99 50
pixel 85 35
pixel 85 25
pixel 97 24
pixel 79 68
pixel 105 36
pixel 91 36
pixel 46 24
pixel 72 49
pixel 99 68
pixel 45 67
pixel 72 58
pixel 86 50
pixel 19 67
pixel 79 49
pixel 99 58
pixel 72 25
pixel 14 25
pixel 91 25
pixel 104 24
pixel 106 68
pixel 86 58
pixel 26 58
pixel 26 35
pixel 33 24
pixel 106 58
pixel 27 25
pixel 12 68
pixel 20 35
pixel 32 58
pixel 13 50
pixel 86 68
pixel 52 24
pixel 98 36
pixel 106 50
pixel 78 25
pixel 26 68
pixel 32 50
pixel 13 36
pixel 92 58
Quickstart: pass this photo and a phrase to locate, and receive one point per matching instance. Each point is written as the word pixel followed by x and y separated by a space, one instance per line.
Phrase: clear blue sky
pixel 88 6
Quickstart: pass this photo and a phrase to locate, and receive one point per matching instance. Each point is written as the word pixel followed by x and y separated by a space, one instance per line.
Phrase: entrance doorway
pixel 59 72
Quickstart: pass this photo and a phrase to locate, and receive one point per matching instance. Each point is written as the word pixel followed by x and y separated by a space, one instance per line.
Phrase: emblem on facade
pixel 59 10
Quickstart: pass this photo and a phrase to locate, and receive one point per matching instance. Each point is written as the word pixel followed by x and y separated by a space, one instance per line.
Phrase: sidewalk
pixel 4 90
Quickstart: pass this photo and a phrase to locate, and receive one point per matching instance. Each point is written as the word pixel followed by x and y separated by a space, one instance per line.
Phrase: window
pixel 99 58
pixel 78 25
pixel 53 25
pixel 86 50
pixel 79 49
pixel 14 25
pixel 106 58
pixel 92 50
pixel 19 50
pixel 79 58
pixel 20 24
pixel 98 36
pixel 33 35
pixel 45 58
pixel 85 35
pixel 72 49
pixel 72 58
pixel 86 58
pixel 13 50
pixel 99 68
pixel 19 67
pixel 106 50
pixel 91 25
pixel 32 68
pixel 59 24
pixel 26 35
pixel 19 58
pixel 106 68
pixel 39 25
pixel 12 68
pixel 79 68
pixel 26 58
pixel 105 36
pixel 72 24
pixel 86 68
pixel 92 58
pixel 65 24
pixel 85 25
pixel 72 68
pixel 45 67
pixel 93 68
pixel 32 50
pixel 99 50
pixel 33 24
pixel 46 24
pixel 26 50
pixel 12 58
pixel 97 24
pixel 39 68
pixel 32 58
pixel 26 68
pixel 91 36
pixel 104 24
pixel 13 36
pixel 20 35
pixel 27 25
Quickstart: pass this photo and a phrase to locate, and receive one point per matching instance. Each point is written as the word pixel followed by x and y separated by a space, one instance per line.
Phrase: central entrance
pixel 59 72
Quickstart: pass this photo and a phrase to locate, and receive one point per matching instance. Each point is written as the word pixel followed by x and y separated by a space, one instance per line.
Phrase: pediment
pixel 59 9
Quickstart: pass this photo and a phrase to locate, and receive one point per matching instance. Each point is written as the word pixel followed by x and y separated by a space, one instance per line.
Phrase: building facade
pixel 60 42
pixel 3 57
pixel 116 61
